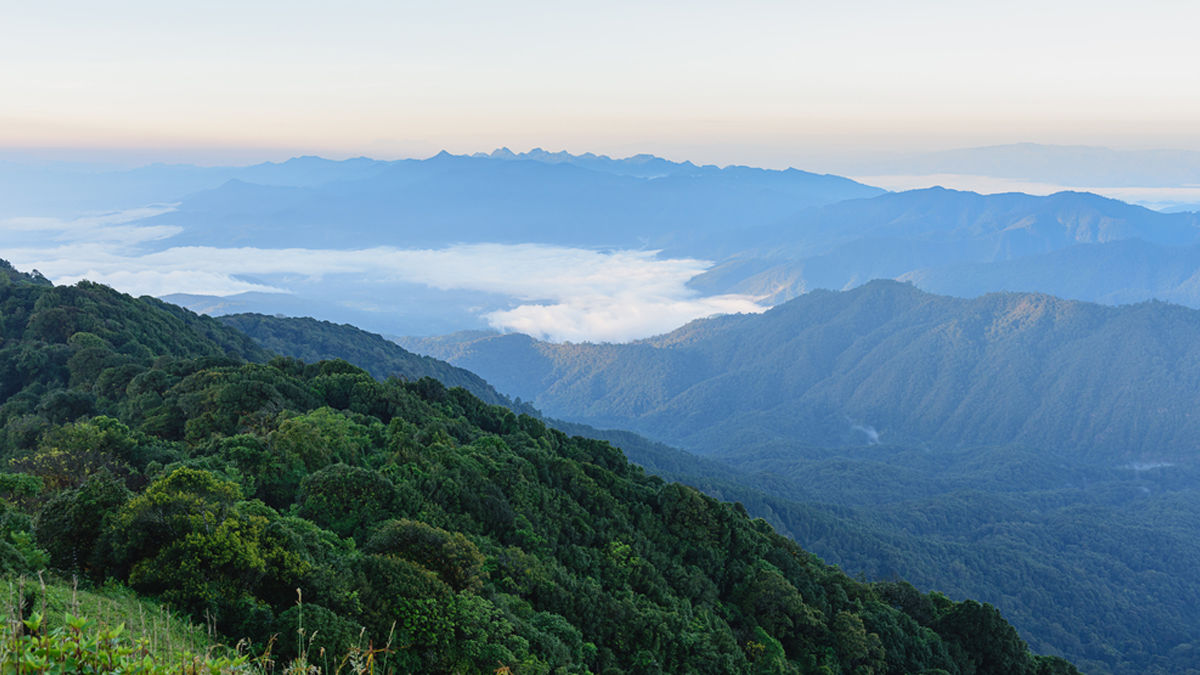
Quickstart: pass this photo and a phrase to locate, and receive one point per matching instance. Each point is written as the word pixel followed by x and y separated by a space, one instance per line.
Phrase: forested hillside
pixel 311 340
pixel 881 363
pixel 1008 524
pixel 1045 539
pixel 454 535
pixel 1035 452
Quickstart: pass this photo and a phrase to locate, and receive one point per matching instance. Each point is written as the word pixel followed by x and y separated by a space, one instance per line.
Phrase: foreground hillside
pixel 461 537
pixel 1044 536
pixel 311 340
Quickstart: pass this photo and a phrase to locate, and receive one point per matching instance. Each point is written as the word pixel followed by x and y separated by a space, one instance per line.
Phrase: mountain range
pixel 447 199
pixel 163 449
pixel 766 235
pixel 953 239
pixel 1033 451
pixel 1046 536
pixel 915 368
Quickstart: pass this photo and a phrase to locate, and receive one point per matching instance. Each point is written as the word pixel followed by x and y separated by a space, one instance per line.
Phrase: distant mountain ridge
pixel 453 198
pixel 948 241
pixel 916 234
pixel 643 165
pixel 772 235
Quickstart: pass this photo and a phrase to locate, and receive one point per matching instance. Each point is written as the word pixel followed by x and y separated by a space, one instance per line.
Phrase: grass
pixel 49 624
pixel 166 633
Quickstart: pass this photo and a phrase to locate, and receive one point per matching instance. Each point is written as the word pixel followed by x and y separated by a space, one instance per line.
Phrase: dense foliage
pixel 457 535
pixel 1096 506
pixel 79 646
pixel 1045 541
pixel 311 340
pixel 10 275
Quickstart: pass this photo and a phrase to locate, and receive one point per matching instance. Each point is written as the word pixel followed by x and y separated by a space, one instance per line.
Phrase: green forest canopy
pixel 165 450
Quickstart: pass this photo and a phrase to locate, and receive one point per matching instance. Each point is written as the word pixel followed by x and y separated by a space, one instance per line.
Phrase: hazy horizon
pixel 901 97
pixel 766 84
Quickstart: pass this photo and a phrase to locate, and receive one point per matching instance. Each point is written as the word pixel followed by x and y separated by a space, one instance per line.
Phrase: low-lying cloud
pixel 558 293
pixel 109 227
pixel 615 318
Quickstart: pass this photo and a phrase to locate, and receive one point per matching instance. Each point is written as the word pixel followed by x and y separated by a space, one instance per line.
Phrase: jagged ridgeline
pixel 153 446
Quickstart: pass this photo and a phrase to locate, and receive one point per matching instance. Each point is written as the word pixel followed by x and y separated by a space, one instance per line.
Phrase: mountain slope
pixel 1115 384
pixel 311 340
pixel 463 537
pixel 1041 537
pixel 1022 529
pixel 1035 452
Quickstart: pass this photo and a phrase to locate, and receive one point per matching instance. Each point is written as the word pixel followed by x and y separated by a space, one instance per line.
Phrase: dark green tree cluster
pixel 458 535
pixel 312 340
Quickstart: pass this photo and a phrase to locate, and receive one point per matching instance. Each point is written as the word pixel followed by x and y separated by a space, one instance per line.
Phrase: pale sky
pixel 766 83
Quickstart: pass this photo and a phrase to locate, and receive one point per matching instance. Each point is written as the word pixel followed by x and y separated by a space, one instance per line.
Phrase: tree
pixel 69 523
pixel 347 500
pixel 450 554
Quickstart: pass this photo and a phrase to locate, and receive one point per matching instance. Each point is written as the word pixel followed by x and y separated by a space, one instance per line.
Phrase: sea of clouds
pixel 557 293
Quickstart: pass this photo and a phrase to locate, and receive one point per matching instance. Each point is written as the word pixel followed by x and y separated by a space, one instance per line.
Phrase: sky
pixel 772 84
pixel 763 83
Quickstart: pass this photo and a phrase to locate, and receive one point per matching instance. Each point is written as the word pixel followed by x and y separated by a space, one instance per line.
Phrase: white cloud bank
pixel 564 294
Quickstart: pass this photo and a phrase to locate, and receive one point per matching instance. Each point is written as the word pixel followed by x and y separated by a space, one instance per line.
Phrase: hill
pixel 881 362
pixel 456 535
pixel 1034 452
pixel 311 340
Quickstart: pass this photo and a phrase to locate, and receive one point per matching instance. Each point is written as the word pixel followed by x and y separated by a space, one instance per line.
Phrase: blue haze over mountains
pixel 770 234
pixel 963 243
pixel 954 437
pixel 682 208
